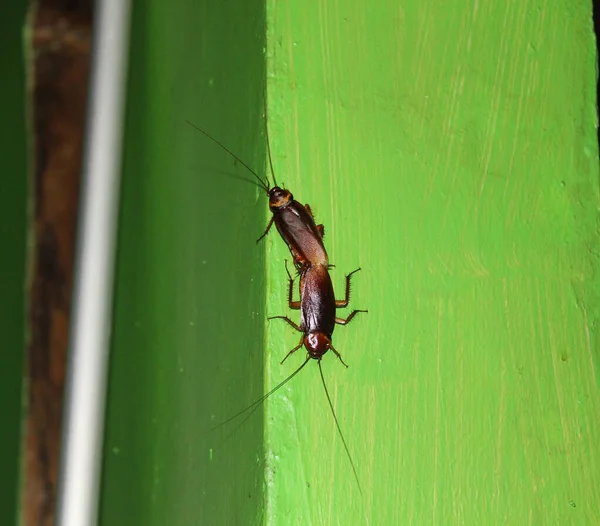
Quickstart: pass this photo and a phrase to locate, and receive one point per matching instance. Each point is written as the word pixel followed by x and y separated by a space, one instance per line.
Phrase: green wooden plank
pixel 450 151
pixel 189 311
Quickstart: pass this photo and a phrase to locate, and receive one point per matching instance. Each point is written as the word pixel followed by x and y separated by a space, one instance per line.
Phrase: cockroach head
pixel 279 198
pixel 317 344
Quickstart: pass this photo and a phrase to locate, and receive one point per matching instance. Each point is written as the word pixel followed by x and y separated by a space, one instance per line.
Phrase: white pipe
pixel 91 315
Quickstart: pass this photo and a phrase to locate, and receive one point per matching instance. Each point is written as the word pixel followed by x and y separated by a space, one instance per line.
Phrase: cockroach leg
pixel 288 270
pixel 267 229
pixel 290 322
pixel 292 304
pixel 294 349
pixel 342 321
pixel 338 355
pixel 299 260
pixel 320 228
pixel 340 304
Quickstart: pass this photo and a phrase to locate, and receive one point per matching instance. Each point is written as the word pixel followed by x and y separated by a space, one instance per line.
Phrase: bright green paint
pixel 450 151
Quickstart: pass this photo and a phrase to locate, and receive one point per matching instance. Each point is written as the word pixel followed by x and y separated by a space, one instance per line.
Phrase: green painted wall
pixel 190 299
pixel 451 152
pixel 13 237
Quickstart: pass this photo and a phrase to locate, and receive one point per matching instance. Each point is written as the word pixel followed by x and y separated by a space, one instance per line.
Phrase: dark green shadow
pixel 189 314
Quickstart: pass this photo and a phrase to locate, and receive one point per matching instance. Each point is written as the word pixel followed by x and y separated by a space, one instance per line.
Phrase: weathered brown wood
pixel 58 75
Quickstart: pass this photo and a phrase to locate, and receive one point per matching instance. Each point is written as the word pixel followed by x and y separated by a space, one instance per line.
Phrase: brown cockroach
pixel 294 221
pixel 317 307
